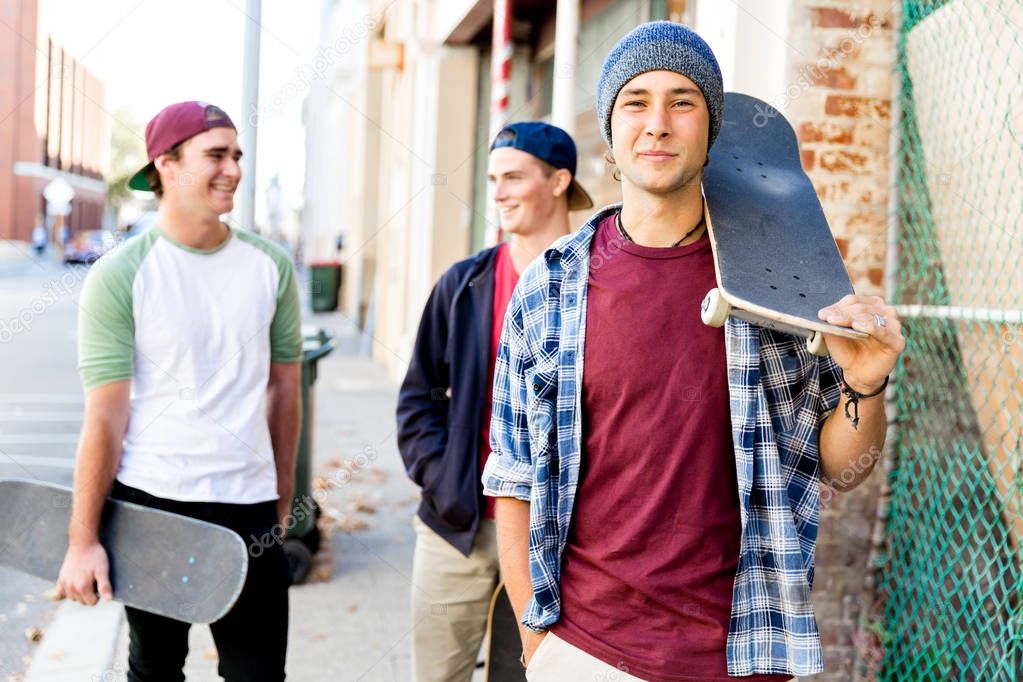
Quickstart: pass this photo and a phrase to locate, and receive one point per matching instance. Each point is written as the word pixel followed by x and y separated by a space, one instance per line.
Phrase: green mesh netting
pixel 950 580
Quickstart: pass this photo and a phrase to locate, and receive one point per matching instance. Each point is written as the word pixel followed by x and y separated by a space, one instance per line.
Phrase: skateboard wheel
pixel 715 309
pixel 816 345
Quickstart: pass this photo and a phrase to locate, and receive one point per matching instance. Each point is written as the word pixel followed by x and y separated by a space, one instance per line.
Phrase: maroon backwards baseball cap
pixel 175 124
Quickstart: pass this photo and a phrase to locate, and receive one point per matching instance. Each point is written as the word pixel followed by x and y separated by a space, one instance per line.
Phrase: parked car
pixel 86 246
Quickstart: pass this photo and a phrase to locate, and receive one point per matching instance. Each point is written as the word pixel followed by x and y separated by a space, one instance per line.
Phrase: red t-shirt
pixel 505 279
pixel 653 548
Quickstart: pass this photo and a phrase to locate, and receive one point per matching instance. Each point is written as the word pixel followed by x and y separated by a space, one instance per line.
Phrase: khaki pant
pixel 555 660
pixel 450 600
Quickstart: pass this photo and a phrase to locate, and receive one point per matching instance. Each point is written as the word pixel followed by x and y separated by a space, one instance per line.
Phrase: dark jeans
pixel 252 638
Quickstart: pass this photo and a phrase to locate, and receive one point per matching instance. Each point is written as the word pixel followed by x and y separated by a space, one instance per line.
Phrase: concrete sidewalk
pixel 19 258
pixel 351 621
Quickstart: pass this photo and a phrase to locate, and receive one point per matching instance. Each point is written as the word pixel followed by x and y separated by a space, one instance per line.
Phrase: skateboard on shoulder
pixel 504 645
pixel 160 562
pixel 775 259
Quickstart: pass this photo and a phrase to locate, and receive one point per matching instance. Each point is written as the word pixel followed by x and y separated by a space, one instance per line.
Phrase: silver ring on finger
pixel 880 321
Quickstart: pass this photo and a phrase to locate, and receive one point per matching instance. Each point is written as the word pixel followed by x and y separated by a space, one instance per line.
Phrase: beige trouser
pixel 450 600
pixel 555 660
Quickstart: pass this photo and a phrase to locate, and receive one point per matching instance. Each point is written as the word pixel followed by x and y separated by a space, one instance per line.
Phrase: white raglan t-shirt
pixel 195 332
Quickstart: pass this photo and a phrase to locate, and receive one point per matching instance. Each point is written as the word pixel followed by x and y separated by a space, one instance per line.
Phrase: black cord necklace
pixel 628 237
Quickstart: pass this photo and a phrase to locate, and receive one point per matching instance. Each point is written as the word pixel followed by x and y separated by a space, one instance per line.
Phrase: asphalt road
pixel 40 416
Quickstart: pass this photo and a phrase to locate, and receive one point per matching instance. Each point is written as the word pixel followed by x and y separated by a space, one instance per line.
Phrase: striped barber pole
pixel 501 53
pixel 500 65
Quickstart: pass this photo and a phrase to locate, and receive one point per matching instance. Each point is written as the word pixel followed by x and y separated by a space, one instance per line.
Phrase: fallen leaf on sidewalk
pixel 374 476
pixel 364 506
pixel 33 634
pixel 360 502
pixel 321 483
pixel 349 465
pixel 351 524
pixel 333 520
pixel 322 565
pixel 318 637
pixel 353 608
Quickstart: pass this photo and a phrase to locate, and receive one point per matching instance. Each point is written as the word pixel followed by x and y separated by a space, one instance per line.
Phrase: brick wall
pixel 840 104
pixel 18 138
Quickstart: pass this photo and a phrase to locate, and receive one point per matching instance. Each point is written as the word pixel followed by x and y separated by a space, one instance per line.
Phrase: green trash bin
pixel 325 281
pixel 303 537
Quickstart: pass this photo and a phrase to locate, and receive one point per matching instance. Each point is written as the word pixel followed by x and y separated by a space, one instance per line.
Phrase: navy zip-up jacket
pixel 440 404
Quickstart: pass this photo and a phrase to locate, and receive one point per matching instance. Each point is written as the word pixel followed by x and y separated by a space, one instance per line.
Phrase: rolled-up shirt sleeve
pixel 509 469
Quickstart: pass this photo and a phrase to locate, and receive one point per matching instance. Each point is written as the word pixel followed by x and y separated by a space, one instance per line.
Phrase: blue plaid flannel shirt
pixel 779 396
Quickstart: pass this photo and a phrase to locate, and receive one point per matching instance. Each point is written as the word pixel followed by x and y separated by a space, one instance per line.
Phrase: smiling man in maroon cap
pixel 192 330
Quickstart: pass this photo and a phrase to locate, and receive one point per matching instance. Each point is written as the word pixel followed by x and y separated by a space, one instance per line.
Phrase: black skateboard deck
pixel 776 260
pixel 160 562
pixel 504 645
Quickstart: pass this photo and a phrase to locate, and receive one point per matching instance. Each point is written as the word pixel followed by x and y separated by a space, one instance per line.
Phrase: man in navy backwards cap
pixel 444 404
pixel 193 330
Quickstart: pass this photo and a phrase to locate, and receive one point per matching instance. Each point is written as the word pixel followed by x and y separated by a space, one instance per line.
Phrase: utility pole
pixel 250 115
pixel 566 45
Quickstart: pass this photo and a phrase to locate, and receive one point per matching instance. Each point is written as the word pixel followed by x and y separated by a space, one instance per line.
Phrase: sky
pixel 150 53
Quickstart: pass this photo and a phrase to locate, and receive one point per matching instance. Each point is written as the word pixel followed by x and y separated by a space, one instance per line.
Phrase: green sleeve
pixel 106 324
pixel 286 327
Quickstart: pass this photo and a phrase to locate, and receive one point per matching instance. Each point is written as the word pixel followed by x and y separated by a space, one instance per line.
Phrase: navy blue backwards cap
pixel 551 145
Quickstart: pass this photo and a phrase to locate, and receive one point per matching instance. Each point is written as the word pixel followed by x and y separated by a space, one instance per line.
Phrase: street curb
pixel 67 654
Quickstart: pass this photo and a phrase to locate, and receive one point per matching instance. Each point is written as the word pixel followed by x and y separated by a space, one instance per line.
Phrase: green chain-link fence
pixel 950 580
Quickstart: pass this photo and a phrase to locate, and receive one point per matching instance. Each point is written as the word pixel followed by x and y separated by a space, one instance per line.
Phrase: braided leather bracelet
pixel 854 400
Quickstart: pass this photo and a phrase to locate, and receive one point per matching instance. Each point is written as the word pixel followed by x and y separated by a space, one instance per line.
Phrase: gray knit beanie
pixel 657 46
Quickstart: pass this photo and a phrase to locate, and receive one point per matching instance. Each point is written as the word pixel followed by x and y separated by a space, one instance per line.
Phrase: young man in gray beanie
pixel 657 512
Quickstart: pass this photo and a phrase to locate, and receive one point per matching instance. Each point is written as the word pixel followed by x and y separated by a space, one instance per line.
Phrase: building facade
pixel 399 130
pixel 52 124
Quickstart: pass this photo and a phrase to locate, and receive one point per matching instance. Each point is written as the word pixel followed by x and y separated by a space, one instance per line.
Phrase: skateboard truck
pixel 715 310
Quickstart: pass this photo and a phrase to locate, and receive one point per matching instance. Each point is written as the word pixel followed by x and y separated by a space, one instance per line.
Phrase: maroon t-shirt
pixel 653 548
pixel 505 279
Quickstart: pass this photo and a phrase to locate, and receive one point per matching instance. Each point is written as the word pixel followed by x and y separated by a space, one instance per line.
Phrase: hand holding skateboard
pixel 85 575
pixel 865 362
